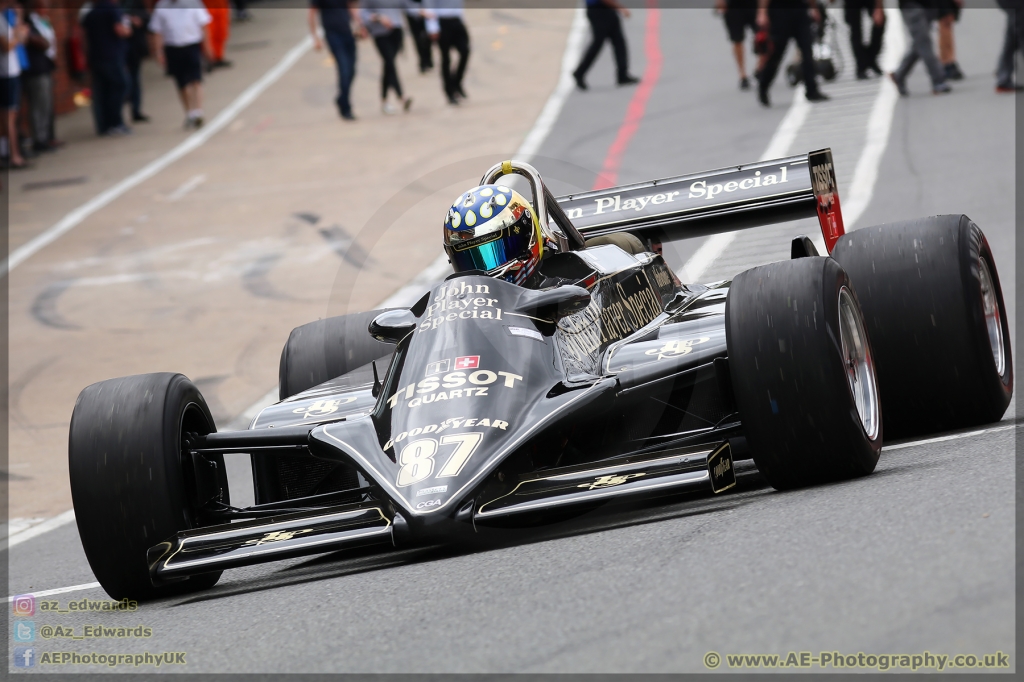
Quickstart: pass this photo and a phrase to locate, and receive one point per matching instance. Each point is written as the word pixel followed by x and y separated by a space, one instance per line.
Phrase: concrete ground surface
pixel 918 556
pixel 209 281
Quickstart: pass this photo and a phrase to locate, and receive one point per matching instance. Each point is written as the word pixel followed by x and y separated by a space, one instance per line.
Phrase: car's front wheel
pixel 133 481
pixel 803 372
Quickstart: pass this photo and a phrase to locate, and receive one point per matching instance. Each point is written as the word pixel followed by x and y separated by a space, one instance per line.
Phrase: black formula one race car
pixel 488 403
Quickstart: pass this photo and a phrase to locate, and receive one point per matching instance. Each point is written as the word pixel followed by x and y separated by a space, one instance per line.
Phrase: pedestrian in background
pixel 418 29
pixel 865 56
pixel 41 46
pixel 738 15
pixel 918 16
pixel 785 20
pixel 337 18
pixel 219 30
pixel 949 13
pixel 242 10
pixel 107 30
pixel 138 49
pixel 1013 40
pixel 179 35
pixel 13 34
pixel 383 20
pixel 605 24
pixel 445 25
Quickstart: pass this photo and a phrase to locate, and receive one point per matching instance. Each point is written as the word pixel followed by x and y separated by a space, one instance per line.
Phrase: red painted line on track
pixel 609 174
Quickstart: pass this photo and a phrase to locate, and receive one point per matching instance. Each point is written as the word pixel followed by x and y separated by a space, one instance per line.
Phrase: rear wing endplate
pixel 716 201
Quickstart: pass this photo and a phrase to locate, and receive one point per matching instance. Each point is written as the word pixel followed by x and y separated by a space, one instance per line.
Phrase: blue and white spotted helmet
pixel 494 229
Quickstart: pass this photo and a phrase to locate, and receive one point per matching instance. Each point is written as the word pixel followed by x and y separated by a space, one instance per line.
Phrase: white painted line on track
pixel 38 529
pixel 778 147
pixel 866 172
pixel 531 144
pixel 943 439
pixel 886 448
pixel 186 187
pixel 405 296
pixel 549 114
pixel 59 590
pixel 865 175
pixel 193 142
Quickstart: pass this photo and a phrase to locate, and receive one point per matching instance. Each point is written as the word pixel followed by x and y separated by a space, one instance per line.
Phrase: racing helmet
pixel 494 229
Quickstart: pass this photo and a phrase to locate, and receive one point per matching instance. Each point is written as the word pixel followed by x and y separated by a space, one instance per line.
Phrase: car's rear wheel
pixel 133 482
pixel 325 349
pixel 934 309
pixel 803 372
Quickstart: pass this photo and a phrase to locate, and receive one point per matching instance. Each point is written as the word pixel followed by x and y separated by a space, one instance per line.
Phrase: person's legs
pixel 176 67
pixel 220 27
pixel 916 21
pixel 135 87
pixel 98 87
pixel 417 27
pixel 185 64
pixel 923 44
pixel 737 53
pixel 119 94
pixel 389 74
pixel 802 32
pixel 397 38
pixel 445 43
pixel 36 94
pixel 780 38
pixel 1004 71
pixel 947 49
pixel 619 45
pixel 600 29
pixel 11 133
pixel 852 14
pixel 343 48
pixel 734 26
pixel 9 103
pixel 461 42
pixel 875 46
pixel 448 40
pixel 108 96
pixel 197 96
pixel 46 110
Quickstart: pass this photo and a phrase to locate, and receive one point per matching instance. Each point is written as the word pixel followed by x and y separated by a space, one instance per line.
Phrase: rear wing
pixel 715 201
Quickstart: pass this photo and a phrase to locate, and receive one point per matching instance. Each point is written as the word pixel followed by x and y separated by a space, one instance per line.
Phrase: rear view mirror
pixel 392 326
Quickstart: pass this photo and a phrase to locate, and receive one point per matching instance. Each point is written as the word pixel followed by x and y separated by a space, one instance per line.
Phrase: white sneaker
pixel 389 108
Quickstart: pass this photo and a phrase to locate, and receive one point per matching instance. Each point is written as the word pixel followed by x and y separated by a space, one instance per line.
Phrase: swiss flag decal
pixel 467 362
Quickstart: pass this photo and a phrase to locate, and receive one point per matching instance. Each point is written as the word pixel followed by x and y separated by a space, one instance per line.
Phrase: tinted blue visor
pixel 492 254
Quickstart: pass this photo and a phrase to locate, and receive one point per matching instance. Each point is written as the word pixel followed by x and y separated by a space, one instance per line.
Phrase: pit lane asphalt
pixel 918 556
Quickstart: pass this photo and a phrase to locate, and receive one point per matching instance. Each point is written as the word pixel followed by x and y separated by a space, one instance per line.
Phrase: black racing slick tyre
pixel 325 349
pixel 934 310
pixel 132 483
pixel 802 373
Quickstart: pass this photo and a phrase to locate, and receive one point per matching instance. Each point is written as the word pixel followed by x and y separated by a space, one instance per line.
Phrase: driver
pixel 494 229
